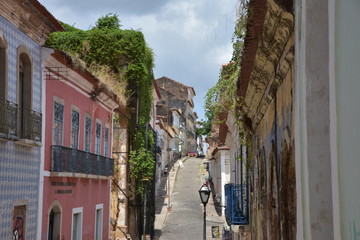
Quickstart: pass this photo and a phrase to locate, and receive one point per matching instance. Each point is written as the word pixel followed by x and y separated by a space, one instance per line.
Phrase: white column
pixel 223 180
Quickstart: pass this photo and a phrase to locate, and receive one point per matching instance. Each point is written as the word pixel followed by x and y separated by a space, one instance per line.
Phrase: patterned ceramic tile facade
pixel 19 165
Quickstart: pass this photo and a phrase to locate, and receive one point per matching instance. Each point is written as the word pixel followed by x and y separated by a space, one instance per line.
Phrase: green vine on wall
pixel 108 51
pixel 223 97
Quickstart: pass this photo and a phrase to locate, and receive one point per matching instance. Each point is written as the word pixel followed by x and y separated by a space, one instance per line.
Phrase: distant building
pixel 24 28
pixel 159 136
pixel 219 159
pixel 176 95
pixel 78 167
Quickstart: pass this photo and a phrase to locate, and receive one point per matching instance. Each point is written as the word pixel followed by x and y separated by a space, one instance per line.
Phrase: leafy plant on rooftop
pixel 123 62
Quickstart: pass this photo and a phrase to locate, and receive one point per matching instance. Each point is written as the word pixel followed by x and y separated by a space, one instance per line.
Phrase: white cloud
pixel 191 39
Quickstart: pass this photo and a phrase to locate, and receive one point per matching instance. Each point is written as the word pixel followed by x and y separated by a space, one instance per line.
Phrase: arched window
pixel 5 128
pixel 54 223
pixel 3 79
pixel 24 91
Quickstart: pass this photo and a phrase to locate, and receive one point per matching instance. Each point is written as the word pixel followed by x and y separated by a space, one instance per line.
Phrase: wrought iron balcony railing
pixel 8 119
pixel 237 204
pixel 162 143
pixel 191 134
pixel 71 160
pixel 31 122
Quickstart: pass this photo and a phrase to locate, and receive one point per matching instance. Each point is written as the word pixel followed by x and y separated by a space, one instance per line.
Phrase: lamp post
pixel 204 196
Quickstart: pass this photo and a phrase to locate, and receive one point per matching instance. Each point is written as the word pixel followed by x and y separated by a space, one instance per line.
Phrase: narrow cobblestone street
pixel 185 220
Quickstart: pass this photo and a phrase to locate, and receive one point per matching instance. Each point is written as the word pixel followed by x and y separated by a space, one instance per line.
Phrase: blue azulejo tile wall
pixel 19 165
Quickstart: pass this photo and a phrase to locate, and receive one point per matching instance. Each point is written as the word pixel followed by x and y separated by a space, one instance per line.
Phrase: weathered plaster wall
pixel 313 156
pixel 268 105
pixel 275 186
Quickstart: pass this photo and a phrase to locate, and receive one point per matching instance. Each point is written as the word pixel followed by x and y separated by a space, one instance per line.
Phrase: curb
pixel 166 209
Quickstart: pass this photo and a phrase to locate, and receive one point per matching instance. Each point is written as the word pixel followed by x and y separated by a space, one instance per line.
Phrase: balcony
pixel 31 125
pixel 237 204
pixel 190 134
pixel 8 120
pixel 68 160
pixel 30 131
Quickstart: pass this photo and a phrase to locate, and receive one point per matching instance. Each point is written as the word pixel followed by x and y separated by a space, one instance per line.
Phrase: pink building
pixel 78 167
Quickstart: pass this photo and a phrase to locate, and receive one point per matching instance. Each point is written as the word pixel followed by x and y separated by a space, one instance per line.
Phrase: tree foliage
pixel 203 127
pixel 222 97
pixel 110 21
pixel 126 54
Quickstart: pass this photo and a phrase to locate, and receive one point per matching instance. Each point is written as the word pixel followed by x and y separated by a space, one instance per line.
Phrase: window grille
pixel 98 138
pixel 106 142
pixel 237 204
pixel 58 123
pixel 75 129
pixel 87 134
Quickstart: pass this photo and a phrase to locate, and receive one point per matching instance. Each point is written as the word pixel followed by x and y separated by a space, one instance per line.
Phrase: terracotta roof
pixel 223 127
pixel 223 148
pixel 178 110
pixel 177 83
pixel 156 87
pixel 47 14
pixel 219 148
pixel 257 10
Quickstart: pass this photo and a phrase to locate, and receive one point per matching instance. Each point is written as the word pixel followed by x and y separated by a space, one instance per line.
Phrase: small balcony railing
pixel 70 160
pixel 162 143
pixel 31 122
pixel 8 119
pixel 237 204
pixel 191 134
pixel 31 128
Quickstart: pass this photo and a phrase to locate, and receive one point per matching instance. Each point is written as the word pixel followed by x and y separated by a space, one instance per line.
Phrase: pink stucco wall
pixel 86 193
pixel 71 98
pixel 81 192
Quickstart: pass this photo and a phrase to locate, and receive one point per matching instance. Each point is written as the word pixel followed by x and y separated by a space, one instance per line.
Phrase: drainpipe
pixel 277 164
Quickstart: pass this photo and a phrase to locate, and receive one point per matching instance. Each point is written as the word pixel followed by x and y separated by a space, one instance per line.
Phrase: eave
pixel 267 57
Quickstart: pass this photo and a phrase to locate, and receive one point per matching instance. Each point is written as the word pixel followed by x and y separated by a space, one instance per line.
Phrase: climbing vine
pixel 223 96
pixel 124 60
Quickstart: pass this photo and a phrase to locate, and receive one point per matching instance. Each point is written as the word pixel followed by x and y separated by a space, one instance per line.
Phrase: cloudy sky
pixel 190 38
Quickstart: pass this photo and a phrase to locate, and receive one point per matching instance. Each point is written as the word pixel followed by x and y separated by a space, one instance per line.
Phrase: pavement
pixel 213 209
pixel 163 198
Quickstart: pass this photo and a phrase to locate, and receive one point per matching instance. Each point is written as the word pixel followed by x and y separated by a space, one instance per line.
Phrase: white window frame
pixel 58 101
pixel 4 67
pixel 24 85
pixel 54 204
pixel 99 206
pixel 77 211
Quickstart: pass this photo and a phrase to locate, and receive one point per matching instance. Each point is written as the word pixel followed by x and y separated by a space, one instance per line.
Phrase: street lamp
pixel 204 196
